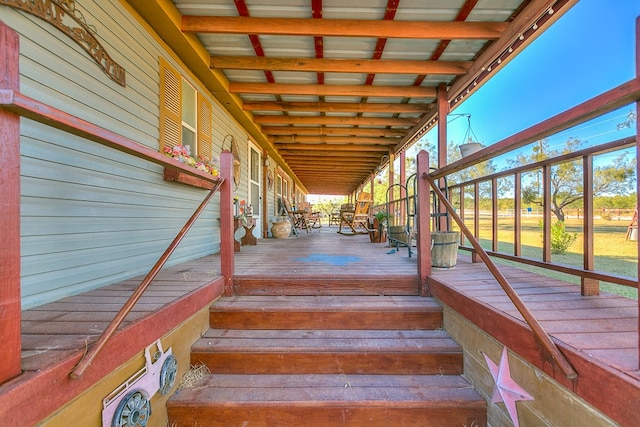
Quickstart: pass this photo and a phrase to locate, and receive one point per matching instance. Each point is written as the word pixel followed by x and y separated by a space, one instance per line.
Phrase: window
pixel 185 114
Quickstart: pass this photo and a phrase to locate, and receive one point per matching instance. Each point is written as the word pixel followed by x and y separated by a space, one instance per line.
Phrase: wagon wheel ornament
pixel 133 411
pixel 168 374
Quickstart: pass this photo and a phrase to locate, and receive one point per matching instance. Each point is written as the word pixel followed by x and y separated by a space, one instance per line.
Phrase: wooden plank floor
pixel 52 332
pixel 604 327
pixel 322 253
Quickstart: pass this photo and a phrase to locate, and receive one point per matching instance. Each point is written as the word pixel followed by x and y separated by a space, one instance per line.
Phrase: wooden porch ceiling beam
pixel 335 140
pixel 345 131
pixel 306 167
pixel 335 120
pixel 367 66
pixel 437 30
pixel 333 90
pixel 339 162
pixel 333 147
pixel 331 107
pixel 314 155
pixel 331 161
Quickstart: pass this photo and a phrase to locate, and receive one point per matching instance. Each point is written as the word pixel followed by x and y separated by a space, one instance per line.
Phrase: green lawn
pixel 613 254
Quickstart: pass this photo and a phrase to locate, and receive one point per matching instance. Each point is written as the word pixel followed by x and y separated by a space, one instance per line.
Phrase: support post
pixel 443 112
pixel 637 165
pixel 423 214
pixel 546 213
pixel 517 214
pixel 588 286
pixel 10 310
pixel 226 222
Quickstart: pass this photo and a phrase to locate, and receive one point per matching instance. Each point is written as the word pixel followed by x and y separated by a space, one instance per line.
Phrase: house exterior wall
pixel 90 215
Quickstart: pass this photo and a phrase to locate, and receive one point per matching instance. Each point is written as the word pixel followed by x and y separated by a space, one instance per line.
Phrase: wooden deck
pixel 320 261
pixel 599 333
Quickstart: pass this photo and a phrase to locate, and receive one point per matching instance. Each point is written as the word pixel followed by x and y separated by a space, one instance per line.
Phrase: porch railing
pixel 11 100
pixel 538 330
pixel 623 95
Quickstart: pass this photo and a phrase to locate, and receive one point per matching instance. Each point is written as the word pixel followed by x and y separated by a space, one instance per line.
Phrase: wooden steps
pixel 327 360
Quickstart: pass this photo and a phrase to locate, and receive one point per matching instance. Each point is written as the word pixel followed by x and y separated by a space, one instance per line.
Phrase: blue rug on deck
pixel 330 259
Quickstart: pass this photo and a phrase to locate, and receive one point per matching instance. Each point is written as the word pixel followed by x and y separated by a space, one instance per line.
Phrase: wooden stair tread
pixel 218 340
pixel 324 303
pixel 327 284
pixel 325 312
pixel 419 391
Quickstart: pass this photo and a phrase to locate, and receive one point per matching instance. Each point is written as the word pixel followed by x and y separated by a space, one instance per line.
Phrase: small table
pixel 249 238
pixel 237 222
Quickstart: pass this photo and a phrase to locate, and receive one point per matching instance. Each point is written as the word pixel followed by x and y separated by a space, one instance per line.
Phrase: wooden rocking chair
pixel 358 217
pixel 298 218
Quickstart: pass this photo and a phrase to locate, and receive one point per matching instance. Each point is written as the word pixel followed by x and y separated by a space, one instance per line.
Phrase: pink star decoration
pixel 506 389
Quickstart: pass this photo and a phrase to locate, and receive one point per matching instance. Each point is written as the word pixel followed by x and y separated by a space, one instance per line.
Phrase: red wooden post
pixel 589 286
pixel 546 213
pixel 9 211
pixel 476 219
pixel 637 165
pixel 517 214
pixel 443 111
pixel 226 222
pixel 423 222
pixel 494 214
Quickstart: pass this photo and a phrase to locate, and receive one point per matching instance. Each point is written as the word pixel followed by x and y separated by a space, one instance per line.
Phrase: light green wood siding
pixel 91 215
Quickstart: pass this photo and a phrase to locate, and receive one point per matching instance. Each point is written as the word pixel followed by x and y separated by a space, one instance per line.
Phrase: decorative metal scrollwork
pixel 133 411
pixel 168 374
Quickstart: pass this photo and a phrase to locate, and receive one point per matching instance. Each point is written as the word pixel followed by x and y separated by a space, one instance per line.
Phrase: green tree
pixel 566 178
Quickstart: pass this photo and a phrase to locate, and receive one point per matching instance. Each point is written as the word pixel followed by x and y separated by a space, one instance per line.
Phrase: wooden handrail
pixel 15 102
pixel 528 316
pixel 86 361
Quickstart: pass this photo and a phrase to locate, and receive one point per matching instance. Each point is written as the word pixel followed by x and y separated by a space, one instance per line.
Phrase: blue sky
pixel 589 50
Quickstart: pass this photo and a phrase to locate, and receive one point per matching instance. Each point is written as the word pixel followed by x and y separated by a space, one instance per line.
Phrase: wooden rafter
pixel 323 130
pixel 437 30
pixel 333 90
pixel 334 147
pixel 340 65
pixel 335 140
pixel 333 107
pixel 331 159
pixel 316 155
pixel 336 120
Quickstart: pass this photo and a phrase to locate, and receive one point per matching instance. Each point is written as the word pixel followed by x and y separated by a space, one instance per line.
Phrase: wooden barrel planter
pixel 399 233
pixel 444 250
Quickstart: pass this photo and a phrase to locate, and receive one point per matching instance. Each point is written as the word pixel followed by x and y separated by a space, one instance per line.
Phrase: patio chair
pixel 299 219
pixel 358 217
pixel 334 218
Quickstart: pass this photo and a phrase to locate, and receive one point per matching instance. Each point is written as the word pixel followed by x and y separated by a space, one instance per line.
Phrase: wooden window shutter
pixel 170 106
pixel 205 128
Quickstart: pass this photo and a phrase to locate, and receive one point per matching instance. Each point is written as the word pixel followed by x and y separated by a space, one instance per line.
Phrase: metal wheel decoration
pixel 133 410
pixel 168 374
